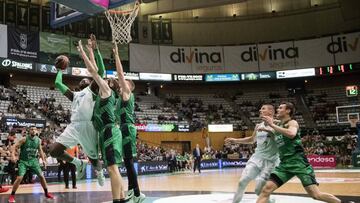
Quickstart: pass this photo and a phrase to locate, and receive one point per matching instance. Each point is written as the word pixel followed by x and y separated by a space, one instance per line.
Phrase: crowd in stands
pixel 341 146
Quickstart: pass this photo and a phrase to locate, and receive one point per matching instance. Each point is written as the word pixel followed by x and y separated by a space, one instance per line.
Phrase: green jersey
pixel 124 110
pixel 29 149
pixel 104 112
pixel 289 148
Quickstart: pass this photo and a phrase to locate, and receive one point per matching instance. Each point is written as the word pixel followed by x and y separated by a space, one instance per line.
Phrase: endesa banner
pixel 322 161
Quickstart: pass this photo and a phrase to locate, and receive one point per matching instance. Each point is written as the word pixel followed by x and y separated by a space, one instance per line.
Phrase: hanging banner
pixel 144 58
pixel 277 56
pixel 23 45
pixel 176 59
pixel 191 59
pixel 241 59
pixel 45 19
pixel 312 53
pixel 207 59
pixel 54 43
pixel 3 41
pixel 346 48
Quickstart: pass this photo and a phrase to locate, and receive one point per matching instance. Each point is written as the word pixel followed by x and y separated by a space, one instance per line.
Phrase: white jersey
pixel 82 106
pixel 266 146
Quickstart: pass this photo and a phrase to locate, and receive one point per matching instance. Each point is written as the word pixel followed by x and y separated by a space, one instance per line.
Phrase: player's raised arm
pixel 98 58
pixel 121 77
pixel 62 87
pixel 246 140
pixel 104 89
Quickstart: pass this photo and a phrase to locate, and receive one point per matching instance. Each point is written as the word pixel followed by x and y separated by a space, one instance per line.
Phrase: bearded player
pixel 81 129
pixel 29 148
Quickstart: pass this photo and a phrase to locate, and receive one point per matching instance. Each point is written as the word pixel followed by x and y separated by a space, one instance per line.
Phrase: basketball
pixel 62 62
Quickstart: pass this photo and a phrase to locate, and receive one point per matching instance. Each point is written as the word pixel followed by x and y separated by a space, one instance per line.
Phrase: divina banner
pixel 301 54
pixel 23 45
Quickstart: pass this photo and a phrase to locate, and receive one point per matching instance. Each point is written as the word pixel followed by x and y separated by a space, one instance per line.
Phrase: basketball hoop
pixel 121 22
pixel 353 122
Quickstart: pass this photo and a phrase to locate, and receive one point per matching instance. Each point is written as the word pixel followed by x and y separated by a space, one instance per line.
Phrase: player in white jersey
pixel 81 129
pixel 265 158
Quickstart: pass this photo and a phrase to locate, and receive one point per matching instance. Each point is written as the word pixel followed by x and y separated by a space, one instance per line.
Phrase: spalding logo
pixel 321 159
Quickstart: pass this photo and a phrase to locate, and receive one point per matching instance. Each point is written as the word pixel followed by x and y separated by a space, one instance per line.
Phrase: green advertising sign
pixel 54 43
pixel 106 50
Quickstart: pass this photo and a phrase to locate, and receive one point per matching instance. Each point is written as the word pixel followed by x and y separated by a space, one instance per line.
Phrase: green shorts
pixel 110 141
pixel 128 132
pixel 299 167
pixel 32 165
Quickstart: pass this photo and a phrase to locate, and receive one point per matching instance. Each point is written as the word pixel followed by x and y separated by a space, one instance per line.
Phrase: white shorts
pixel 82 133
pixel 264 166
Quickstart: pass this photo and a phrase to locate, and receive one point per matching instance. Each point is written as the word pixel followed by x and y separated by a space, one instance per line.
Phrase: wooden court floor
pixel 342 183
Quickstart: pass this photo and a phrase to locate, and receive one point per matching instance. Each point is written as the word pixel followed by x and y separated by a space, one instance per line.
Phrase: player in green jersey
pixel 29 148
pixel 293 161
pixel 110 138
pixel 125 117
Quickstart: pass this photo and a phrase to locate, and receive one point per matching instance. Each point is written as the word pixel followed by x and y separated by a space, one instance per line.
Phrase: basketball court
pixel 211 186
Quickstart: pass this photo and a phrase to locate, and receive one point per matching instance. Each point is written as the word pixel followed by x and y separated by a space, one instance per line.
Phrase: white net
pixel 121 22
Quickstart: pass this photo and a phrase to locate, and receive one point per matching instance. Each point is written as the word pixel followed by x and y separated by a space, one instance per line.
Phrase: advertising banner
pixel 176 59
pixel 80 72
pixel 45 68
pixel 144 58
pixel 10 121
pixel 150 167
pixel 277 56
pixel 346 48
pixel 312 53
pixel 54 43
pixel 11 64
pixel 222 77
pixel 322 161
pixel 229 163
pixel 295 73
pixel 23 45
pixel 155 76
pixel 241 59
pixel 156 127
pixel 206 59
pixel 188 78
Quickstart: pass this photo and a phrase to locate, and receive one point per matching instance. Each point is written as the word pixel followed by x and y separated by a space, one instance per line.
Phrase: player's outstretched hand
pixel 115 50
pixel 266 129
pixel 93 42
pixel 45 165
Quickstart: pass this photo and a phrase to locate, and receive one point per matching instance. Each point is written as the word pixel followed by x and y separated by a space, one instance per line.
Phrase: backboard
pixel 347 114
pixel 62 15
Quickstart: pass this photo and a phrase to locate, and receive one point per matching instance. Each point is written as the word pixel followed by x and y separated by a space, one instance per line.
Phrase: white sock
pixel 76 162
